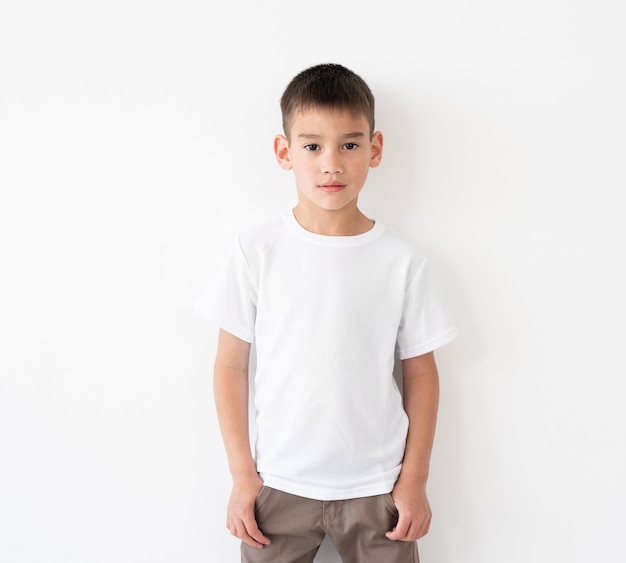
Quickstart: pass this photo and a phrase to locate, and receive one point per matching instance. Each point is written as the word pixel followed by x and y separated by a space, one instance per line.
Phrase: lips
pixel 332 187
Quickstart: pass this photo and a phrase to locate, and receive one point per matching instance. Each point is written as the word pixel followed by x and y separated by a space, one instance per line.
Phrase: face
pixel 330 153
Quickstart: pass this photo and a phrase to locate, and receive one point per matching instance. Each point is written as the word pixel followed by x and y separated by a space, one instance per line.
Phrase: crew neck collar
pixel 350 240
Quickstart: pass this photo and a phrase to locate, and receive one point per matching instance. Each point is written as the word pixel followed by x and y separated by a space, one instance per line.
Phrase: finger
pixel 400 530
pixel 239 531
pixel 252 542
pixel 416 530
pixel 230 525
pixel 424 528
pixel 248 532
pixel 252 529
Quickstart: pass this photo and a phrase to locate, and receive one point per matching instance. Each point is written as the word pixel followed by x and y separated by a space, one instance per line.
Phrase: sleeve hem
pixel 235 329
pixel 238 331
pixel 432 344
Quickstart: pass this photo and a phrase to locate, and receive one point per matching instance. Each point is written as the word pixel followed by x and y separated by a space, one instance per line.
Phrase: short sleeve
pixel 426 323
pixel 230 299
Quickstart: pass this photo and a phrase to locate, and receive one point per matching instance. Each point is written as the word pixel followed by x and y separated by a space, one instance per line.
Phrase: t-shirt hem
pixel 326 494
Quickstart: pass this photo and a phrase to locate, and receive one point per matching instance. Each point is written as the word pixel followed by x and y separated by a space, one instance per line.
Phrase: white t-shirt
pixel 327 316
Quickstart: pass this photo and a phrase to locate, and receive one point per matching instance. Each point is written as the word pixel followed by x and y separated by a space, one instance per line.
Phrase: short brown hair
pixel 330 86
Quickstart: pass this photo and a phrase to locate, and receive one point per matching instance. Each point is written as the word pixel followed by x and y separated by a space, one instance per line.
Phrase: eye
pixel 312 147
pixel 351 146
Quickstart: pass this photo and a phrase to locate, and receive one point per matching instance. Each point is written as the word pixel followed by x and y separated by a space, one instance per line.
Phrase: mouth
pixel 330 187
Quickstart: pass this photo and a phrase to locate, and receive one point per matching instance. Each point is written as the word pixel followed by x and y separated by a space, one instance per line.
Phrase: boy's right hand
pixel 240 518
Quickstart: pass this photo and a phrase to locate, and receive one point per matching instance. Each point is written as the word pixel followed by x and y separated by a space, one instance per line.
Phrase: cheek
pixel 303 176
pixel 304 167
pixel 362 170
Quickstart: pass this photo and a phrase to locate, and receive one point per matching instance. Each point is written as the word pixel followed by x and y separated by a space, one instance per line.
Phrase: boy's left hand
pixel 414 512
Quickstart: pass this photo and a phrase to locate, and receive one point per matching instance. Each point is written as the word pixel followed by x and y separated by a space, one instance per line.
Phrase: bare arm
pixel 421 400
pixel 231 400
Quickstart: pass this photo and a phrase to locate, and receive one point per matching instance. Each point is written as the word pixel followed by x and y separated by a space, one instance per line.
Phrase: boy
pixel 329 297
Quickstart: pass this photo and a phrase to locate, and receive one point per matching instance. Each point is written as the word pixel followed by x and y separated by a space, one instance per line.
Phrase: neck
pixel 333 223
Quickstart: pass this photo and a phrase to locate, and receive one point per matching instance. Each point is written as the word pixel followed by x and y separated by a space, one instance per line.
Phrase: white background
pixel 135 142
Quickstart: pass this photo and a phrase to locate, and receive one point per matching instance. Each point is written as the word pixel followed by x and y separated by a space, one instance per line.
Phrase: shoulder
pixel 260 234
pixel 401 247
pixel 257 244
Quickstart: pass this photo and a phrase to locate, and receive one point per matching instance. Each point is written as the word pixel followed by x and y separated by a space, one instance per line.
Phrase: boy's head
pixel 327 86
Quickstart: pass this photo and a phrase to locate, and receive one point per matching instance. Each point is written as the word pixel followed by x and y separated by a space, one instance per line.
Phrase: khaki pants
pixel 297 526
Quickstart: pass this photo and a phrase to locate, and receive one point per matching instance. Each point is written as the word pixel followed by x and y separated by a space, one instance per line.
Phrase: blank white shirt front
pixel 328 316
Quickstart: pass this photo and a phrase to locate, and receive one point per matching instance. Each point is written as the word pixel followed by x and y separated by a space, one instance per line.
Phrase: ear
pixel 281 150
pixel 377 149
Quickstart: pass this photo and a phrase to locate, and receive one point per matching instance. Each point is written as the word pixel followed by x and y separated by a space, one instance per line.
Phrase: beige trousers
pixel 297 526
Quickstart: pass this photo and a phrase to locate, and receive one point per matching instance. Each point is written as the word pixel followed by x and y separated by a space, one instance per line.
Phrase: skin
pixel 330 154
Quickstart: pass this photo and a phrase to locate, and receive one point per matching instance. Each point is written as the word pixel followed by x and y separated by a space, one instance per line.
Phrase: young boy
pixel 329 297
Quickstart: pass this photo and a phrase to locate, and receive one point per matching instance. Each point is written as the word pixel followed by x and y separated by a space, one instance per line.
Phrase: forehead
pixel 317 120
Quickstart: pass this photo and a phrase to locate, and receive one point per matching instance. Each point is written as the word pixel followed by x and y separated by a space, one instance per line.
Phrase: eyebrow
pixel 353 135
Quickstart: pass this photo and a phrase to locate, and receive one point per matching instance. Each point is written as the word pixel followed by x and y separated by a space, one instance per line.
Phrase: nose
pixel 332 164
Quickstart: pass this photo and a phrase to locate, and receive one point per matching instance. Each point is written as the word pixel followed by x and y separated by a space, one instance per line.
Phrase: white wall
pixel 135 141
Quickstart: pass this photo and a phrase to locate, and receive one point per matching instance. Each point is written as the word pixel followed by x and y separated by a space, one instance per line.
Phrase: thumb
pixel 399 530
